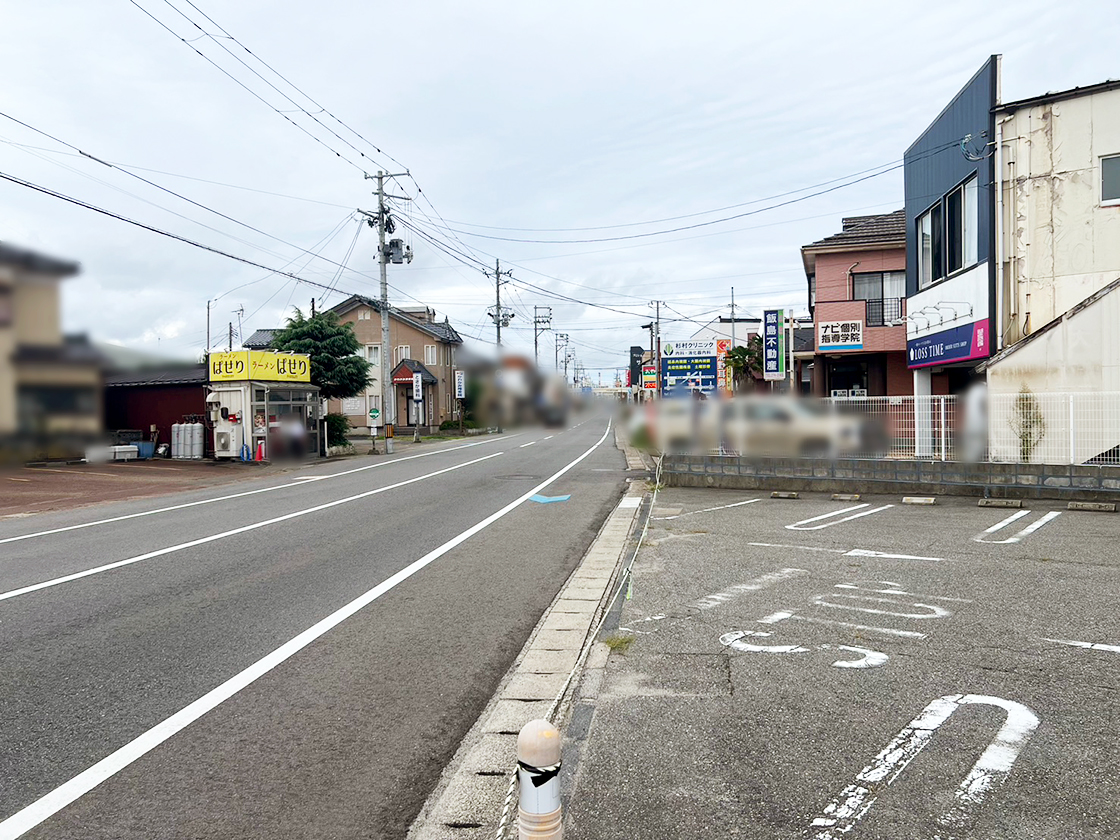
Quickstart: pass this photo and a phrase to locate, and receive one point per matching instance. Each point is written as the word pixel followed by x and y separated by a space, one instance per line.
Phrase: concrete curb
pixel 467 801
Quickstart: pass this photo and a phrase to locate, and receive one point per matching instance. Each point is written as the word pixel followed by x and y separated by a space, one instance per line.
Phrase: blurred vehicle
pixel 788 427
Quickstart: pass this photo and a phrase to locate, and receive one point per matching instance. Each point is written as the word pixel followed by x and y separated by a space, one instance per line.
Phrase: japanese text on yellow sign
pixel 259 365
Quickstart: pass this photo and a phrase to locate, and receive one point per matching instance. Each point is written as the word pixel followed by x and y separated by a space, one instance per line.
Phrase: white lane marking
pixel 35 587
pixel 797 526
pixel 802 547
pixel 550 437
pixel 863 552
pixel 68 792
pixel 990 770
pixel 709 510
pixel 895 590
pixel 1086 645
pixel 301 480
pixel 761 582
pixel 1026 532
pixel 868 658
pixel 934 610
pixel 530 443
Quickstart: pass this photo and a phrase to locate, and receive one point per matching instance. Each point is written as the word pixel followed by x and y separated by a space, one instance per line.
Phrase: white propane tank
pixel 176 440
pixel 198 441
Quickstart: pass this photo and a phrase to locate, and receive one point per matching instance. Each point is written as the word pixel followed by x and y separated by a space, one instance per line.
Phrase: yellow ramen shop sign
pixel 259 365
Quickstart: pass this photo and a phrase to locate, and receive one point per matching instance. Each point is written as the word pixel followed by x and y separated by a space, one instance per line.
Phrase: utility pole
pixel 208 328
pixel 732 317
pixel 561 341
pixel 540 324
pixel 384 225
pixel 312 307
pixel 657 334
pixel 501 317
pixel 230 349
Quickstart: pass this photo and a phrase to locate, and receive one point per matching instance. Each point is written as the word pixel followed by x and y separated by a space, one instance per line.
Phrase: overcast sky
pixel 513 116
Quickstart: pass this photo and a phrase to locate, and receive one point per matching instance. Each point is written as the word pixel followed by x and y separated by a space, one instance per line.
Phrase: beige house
pixel 419 343
pixel 50 384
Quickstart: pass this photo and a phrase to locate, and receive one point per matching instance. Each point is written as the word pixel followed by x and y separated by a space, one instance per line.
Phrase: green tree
pixel 745 361
pixel 332 346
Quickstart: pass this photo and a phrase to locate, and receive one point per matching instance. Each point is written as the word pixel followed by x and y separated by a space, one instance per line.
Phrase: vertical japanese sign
pixel 725 379
pixel 417 387
pixel 460 384
pixel 773 344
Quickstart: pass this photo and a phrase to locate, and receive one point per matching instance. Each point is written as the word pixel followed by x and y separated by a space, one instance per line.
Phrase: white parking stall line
pixel 988 773
pixel 801 547
pixel 297 481
pixel 1026 532
pixel 804 525
pixel 108 567
pixel 1086 645
pixel 65 794
pixel 863 552
pixel 708 510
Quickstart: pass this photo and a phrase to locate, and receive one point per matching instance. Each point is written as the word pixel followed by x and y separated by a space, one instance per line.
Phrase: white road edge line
pixel 108 567
pixel 296 482
pixel 43 808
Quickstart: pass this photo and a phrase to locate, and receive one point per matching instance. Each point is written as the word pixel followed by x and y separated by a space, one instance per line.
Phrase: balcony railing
pixel 883 311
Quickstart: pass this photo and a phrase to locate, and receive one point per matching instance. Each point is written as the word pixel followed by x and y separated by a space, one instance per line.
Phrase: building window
pixel 430 357
pixel 373 355
pixel 948 234
pixel 5 307
pixel 883 292
pixel 1110 180
pixel 401 352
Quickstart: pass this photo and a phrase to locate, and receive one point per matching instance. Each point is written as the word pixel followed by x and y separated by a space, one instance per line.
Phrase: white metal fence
pixel 1047 428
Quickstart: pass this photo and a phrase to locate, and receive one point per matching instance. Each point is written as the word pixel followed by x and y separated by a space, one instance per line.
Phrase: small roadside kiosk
pixel 262 405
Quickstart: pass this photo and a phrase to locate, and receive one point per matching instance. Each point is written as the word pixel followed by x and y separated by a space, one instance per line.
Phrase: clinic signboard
pixel 681 375
pixel 241 365
pixel 773 344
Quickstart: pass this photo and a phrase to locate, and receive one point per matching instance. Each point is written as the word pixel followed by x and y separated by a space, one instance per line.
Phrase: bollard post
pixel 388 438
pixel 538 768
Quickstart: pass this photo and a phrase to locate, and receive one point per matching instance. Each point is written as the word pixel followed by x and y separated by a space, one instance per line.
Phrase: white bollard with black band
pixel 538 769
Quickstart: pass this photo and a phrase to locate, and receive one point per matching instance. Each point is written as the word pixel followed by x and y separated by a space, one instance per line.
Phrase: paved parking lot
pixel 815 668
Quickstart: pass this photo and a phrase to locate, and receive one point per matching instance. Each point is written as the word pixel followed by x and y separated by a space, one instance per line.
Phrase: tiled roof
pixel 191 375
pixel 32 261
pixel 260 340
pixel 885 229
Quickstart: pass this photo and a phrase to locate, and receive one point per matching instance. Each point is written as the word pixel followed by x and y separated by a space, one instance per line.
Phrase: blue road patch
pixel 544 500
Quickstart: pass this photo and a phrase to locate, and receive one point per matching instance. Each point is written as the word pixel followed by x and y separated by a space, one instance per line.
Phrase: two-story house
pixel 857 288
pixel 419 343
pixel 50 384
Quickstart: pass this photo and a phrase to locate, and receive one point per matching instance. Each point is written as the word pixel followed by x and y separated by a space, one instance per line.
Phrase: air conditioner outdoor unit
pixel 222 443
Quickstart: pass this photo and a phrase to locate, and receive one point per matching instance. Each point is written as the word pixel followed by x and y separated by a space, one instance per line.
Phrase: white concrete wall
pixel 1059 243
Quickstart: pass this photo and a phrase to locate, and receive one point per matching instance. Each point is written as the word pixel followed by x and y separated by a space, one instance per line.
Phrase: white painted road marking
pixel 934 610
pixel 802 547
pixel 761 582
pixel 530 443
pixel 804 525
pixel 897 590
pixel 296 482
pixel 989 772
pixel 868 658
pixel 709 510
pixel 1026 532
pixel 68 792
pixel 886 631
pixel 35 587
pixel 863 552
pixel 1086 645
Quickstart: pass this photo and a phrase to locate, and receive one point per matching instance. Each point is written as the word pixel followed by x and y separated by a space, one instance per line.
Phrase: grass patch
pixel 618 642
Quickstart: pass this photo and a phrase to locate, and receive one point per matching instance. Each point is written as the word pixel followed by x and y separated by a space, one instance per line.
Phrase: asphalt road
pixel 824 669
pixel 197 672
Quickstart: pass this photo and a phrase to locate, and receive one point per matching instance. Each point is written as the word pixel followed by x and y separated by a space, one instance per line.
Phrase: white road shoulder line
pixel 35 587
pixel 296 482
pixel 63 795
